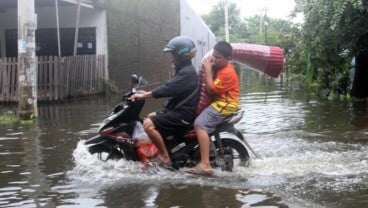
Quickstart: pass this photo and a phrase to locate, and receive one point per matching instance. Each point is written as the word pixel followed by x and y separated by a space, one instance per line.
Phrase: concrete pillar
pixel 27 65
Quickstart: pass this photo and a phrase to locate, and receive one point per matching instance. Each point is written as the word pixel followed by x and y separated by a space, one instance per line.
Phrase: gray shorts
pixel 209 119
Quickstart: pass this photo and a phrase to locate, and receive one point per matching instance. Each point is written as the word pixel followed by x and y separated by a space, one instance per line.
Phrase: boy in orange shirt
pixel 223 86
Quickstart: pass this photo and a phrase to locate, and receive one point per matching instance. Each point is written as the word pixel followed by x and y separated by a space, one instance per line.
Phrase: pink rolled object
pixel 204 99
pixel 267 59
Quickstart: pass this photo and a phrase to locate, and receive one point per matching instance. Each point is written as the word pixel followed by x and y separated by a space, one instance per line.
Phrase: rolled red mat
pixel 267 59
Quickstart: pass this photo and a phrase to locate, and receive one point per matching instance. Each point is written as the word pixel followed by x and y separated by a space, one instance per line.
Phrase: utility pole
pixel 226 14
pixel 58 26
pixel 27 64
pixel 77 29
pixel 265 25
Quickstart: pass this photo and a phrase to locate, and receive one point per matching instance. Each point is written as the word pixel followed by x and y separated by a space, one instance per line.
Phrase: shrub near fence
pixel 58 78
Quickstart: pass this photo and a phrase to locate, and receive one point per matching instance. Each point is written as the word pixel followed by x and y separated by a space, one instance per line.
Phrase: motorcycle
pixel 117 138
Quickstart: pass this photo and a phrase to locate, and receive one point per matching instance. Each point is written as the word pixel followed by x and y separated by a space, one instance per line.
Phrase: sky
pixel 276 8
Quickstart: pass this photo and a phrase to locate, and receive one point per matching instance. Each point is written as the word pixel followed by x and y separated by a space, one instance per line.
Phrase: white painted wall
pixel 47 19
pixel 194 27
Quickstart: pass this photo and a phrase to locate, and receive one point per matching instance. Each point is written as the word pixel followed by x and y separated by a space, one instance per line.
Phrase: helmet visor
pixel 168 48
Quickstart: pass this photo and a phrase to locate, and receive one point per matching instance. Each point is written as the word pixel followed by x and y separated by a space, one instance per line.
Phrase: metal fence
pixel 58 78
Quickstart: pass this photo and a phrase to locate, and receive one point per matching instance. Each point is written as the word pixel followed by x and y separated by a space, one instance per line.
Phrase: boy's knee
pixel 196 126
pixel 148 124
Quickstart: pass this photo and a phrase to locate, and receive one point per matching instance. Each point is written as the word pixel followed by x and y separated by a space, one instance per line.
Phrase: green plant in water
pixel 9 118
pixel 30 121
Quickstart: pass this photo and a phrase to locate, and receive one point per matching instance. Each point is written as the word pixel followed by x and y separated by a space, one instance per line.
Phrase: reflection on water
pixel 312 154
pixel 168 195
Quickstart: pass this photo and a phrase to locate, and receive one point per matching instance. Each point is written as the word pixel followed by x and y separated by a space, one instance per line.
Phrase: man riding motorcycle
pixel 182 91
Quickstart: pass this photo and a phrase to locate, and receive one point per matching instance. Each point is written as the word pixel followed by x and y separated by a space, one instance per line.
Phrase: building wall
pixel 193 26
pixel 67 17
pixel 137 33
pixel 46 18
pixel 139 30
pixel 132 33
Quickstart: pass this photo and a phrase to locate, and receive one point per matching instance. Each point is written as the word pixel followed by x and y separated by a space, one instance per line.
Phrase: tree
pixel 250 29
pixel 333 33
pixel 216 21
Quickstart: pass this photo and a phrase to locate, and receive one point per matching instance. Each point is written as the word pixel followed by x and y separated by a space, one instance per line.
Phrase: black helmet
pixel 182 48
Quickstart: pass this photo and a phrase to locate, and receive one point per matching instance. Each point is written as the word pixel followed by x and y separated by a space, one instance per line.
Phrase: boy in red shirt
pixel 223 86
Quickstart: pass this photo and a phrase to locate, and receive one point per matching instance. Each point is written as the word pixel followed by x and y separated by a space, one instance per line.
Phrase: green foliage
pixel 333 33
pixel 9 118
pixel 30 121
pixel 216 20
pixel 251 29
pixel 320 49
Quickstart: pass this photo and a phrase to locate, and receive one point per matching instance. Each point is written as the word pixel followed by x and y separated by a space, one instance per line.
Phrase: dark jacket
pixel 178 88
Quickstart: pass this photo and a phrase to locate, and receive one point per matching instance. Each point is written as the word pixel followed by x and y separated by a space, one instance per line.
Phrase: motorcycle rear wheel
pixel 237 152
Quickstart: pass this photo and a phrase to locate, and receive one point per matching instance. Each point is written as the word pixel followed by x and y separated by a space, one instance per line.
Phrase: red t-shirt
pixel 226 89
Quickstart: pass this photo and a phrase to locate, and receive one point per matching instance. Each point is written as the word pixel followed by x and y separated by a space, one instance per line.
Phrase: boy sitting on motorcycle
pixel 223 87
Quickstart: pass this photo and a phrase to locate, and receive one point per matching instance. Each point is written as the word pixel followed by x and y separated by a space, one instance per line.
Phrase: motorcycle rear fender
pixel 230 129
pixel 237 133
pixel 98 139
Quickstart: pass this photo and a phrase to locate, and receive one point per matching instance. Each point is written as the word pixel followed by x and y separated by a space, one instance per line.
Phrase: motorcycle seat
pixel 234 118
pixel 191 134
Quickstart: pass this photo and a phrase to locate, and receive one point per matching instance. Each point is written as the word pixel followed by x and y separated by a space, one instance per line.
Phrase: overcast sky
pixel 276 8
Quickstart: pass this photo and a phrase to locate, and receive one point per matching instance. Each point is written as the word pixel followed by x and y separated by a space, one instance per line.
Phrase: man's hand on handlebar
pixel 140 95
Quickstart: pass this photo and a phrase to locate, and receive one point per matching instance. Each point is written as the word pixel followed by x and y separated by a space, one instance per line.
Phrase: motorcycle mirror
pixel 142 81
pixel 135 79
pixel 138 80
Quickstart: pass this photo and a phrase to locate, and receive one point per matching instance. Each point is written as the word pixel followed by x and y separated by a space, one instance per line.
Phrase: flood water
pixel 312 153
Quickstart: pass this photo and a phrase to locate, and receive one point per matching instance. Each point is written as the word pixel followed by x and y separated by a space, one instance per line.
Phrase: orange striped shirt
pixel 226 89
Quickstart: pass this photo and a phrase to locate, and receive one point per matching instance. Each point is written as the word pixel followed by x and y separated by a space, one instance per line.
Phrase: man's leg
pixel 156 138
